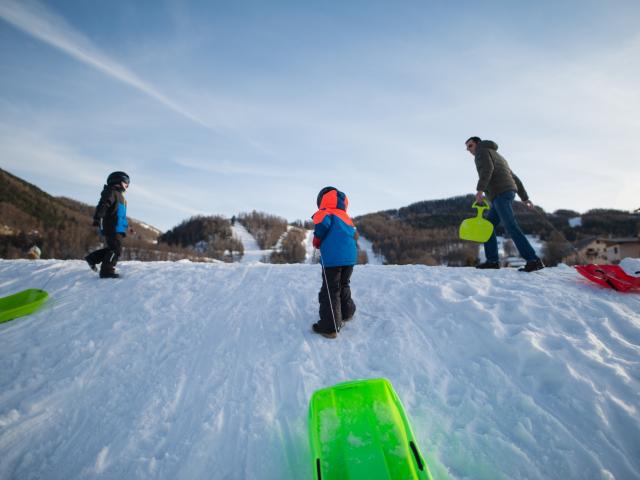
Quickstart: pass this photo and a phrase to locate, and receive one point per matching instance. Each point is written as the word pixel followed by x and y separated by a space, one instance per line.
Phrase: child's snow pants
pixel 108 256
pixel 335 301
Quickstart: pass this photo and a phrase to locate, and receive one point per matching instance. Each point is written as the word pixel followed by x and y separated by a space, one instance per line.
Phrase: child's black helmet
pixel 322 193
pixel 117 177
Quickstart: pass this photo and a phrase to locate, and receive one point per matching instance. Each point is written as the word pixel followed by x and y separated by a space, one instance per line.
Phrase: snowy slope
pixel 312 254
pixel 252 251
pixel 372 257
pixel 194 371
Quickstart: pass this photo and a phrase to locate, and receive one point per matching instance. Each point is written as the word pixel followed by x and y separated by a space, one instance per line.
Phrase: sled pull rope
pixel 326 283
pixel 50 278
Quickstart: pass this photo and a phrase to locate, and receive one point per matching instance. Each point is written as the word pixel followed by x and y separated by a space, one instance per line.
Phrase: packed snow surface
pixel 205 371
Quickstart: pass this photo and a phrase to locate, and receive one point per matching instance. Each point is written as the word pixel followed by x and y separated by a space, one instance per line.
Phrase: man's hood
pixel 490 144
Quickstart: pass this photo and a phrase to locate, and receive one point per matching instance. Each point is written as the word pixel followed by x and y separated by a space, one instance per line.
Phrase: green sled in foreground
pixel 359 430
pixel 21 303
pixel 476 229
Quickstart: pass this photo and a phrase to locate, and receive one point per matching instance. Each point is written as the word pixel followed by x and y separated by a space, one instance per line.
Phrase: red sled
pixel 611 276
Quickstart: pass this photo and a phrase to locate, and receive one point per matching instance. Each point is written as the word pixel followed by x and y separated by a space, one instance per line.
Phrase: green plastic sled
pixel 358 431
pixel 21 303
pixel 477 229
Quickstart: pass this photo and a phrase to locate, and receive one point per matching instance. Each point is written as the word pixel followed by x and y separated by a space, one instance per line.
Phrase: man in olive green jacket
pixel 500 184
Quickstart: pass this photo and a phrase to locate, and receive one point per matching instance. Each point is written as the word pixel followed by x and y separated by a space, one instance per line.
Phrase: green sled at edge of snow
pixel 358 430
pixel 21 303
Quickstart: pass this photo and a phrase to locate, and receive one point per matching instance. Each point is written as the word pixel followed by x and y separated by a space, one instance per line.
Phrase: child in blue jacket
pixel 111 218
pixel 335 235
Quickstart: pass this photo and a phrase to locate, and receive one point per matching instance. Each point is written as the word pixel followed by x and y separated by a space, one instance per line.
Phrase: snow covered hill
pixel 204 371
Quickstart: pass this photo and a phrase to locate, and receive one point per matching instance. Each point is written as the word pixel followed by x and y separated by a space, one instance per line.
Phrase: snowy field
pixel 205 371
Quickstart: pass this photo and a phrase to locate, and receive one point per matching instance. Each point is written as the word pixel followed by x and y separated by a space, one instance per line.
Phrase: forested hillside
pixel 209 236
pixel 61 227
pixel 291 249
pixel 266 229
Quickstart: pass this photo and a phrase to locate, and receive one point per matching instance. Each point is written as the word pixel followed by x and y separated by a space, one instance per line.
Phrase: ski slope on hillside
pixel 372 257
pixel 252 251
pixel 200 371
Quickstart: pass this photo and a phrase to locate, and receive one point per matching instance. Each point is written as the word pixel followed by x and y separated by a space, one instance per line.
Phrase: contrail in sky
pixel 38 21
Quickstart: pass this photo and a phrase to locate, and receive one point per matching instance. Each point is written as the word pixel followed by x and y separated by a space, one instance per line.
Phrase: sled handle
pixel 481 208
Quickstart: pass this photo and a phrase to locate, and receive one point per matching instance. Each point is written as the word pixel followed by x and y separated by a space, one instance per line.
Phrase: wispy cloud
pixel 35 157
pixel 159 200
pixel 41 23
pixel 32 154
pixel 235 168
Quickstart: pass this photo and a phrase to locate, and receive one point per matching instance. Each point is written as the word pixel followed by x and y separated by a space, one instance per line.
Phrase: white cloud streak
pixel 151 196
pixel 30 154
pixel 236 168
pixel 39 22
pixel 34 157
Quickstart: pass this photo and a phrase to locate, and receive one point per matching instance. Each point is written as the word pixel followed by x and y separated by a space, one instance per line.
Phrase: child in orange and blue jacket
pixel 335 235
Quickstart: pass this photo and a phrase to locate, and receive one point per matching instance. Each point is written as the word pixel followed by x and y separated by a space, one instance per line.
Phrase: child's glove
pixel 316 242
pixel 96 222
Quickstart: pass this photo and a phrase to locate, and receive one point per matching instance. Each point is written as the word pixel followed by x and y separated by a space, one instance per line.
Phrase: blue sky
pixel 225 107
